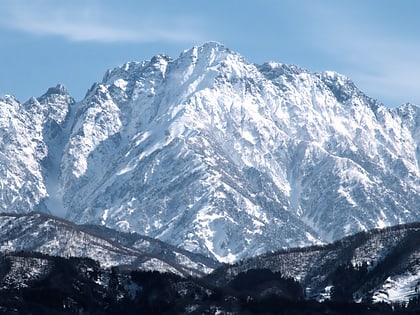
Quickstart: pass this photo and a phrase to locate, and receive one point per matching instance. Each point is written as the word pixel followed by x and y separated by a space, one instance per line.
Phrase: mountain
pixel 214 154
pixel 41 284
pixel 347 277
pixel 41 233
pixel 376 266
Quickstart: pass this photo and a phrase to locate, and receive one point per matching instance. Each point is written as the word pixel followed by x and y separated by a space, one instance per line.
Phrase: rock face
pixel 215 154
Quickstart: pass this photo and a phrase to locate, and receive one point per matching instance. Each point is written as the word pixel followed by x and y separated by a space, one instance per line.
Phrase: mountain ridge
pixel 387 258
pixel 371 270
pixel 217 155
pixel 50 235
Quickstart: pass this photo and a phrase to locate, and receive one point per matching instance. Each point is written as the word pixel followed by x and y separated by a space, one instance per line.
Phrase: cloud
pixel 92 21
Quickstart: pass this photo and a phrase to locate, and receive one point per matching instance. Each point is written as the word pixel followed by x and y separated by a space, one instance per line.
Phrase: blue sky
pixel 44 42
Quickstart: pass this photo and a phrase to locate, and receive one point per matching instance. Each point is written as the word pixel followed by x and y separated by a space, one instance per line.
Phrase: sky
pixel 376 43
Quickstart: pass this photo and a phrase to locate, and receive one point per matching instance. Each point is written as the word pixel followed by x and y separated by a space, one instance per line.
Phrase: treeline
pixel 81 286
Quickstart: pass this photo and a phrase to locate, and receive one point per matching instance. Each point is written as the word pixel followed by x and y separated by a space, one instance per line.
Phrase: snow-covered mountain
pixel 379 266
pixel 215 154
pixel 40 233
pixel 353 274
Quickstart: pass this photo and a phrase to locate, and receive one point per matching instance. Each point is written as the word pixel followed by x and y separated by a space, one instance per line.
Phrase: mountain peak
pixel 208 46
pixel 209 51
pixel 160 58
pixel 59 89
pixel 55 97
pixel 410 114
pixel 409 107
pixel 133 71
pixel 340 85
pixel 9 98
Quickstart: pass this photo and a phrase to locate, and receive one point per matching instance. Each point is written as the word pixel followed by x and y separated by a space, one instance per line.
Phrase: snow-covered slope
pixel 223 157
pixel 31 134
pixel 49 235
pixel 226 158
pixel 380 265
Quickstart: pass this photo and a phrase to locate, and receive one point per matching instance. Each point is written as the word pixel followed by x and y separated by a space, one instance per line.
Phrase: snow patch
pixel 121 83
pixel 398 289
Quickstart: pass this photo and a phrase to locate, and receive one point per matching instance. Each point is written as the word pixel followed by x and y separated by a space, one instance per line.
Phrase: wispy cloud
pixel 94 21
